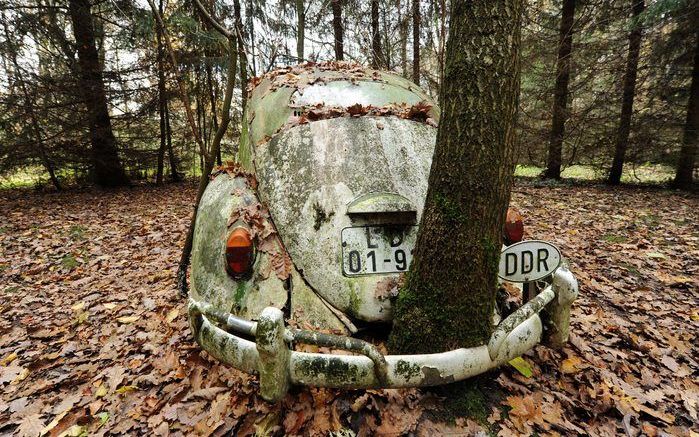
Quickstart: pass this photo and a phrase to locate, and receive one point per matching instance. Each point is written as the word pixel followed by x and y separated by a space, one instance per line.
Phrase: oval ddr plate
pixel 529 261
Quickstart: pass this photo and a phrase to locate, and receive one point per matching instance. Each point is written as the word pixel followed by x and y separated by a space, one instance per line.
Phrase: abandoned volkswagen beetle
pixel 303 241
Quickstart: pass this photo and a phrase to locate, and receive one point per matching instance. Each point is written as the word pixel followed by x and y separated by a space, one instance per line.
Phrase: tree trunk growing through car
pixel 448 296
pixel 560 96
pixel 108 171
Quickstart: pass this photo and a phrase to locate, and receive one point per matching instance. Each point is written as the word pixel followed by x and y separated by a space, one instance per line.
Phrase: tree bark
pixel 241 54
pixel 416 41
pixel 628 93
pixel 560 98
pixel 161 101
pixel 300 30
pixel 403 29
pixel 690 141
pixel 174 174
pixel 250 31
pixel 442 37
pixel 337 30
pixel 449 294
pixel 376 53
pixel 107 168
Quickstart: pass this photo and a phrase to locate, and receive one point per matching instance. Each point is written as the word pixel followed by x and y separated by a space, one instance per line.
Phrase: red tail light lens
pixel 514 227
pixel 240 252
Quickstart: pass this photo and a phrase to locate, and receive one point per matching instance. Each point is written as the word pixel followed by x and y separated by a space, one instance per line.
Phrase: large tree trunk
pixel 416 41
pixel 690 142
pixel 300 30
pixel 629 90
pixel 105 159
pixel 337 30
pixel 376 53
pixel 560 98
pixel 449 294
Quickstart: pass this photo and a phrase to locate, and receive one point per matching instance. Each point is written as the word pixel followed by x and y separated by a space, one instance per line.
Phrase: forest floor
pixel 94 337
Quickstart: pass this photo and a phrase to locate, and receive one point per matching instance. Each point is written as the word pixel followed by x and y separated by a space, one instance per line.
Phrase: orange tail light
pixel 240 252
pixel 514 227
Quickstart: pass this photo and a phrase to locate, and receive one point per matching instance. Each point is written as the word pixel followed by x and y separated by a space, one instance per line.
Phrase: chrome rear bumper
pixel 279 366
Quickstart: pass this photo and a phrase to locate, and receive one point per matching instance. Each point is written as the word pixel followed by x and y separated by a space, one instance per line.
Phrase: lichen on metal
pixel 274 355
pixel 326 147
pixel 558 313
pixel 373 203
pixel 518 335
pixel 324 166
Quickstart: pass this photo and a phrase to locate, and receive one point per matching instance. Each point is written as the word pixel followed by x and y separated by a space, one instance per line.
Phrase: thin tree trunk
pixel 560 98
pixel 449 295
pixel 215 146
pixel 376 54
pixel 300 30
pixel 212 101
pixel 249 24
pixel 180 82
pixel 241 54
pixel 690 141
pixel 161 101
pixel 337 30
pixel 629 91
pixel 104 156
pixel 416 41
pixel 403 29
pixel 387 52
pixel 174 174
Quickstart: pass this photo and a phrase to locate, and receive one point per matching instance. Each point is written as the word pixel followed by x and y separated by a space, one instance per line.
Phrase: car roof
pixel 283 98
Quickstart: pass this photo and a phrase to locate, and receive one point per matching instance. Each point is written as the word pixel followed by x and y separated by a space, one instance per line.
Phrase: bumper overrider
pixel 227 338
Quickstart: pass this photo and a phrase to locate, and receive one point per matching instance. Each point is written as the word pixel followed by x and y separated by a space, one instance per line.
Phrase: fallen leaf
pixel 172 315
pixel 522 366
pixel 571 365
pixel 126 389
pixel 8 359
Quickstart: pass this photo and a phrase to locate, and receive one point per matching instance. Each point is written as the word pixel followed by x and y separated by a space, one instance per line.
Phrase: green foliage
pixel 69 262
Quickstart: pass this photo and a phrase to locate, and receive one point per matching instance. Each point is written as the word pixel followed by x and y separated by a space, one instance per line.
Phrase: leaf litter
pixel 130 366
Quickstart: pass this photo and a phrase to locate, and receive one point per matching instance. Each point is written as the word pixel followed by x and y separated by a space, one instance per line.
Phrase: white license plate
pixel 368 250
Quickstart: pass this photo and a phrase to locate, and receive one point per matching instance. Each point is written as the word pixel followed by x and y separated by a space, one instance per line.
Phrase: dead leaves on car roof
pixel 305 114
pixel 309 73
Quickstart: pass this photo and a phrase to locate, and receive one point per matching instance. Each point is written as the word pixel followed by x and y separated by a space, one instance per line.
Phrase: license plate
pixel 368 250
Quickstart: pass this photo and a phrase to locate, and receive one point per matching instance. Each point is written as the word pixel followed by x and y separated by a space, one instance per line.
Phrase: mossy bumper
pixel 279 366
